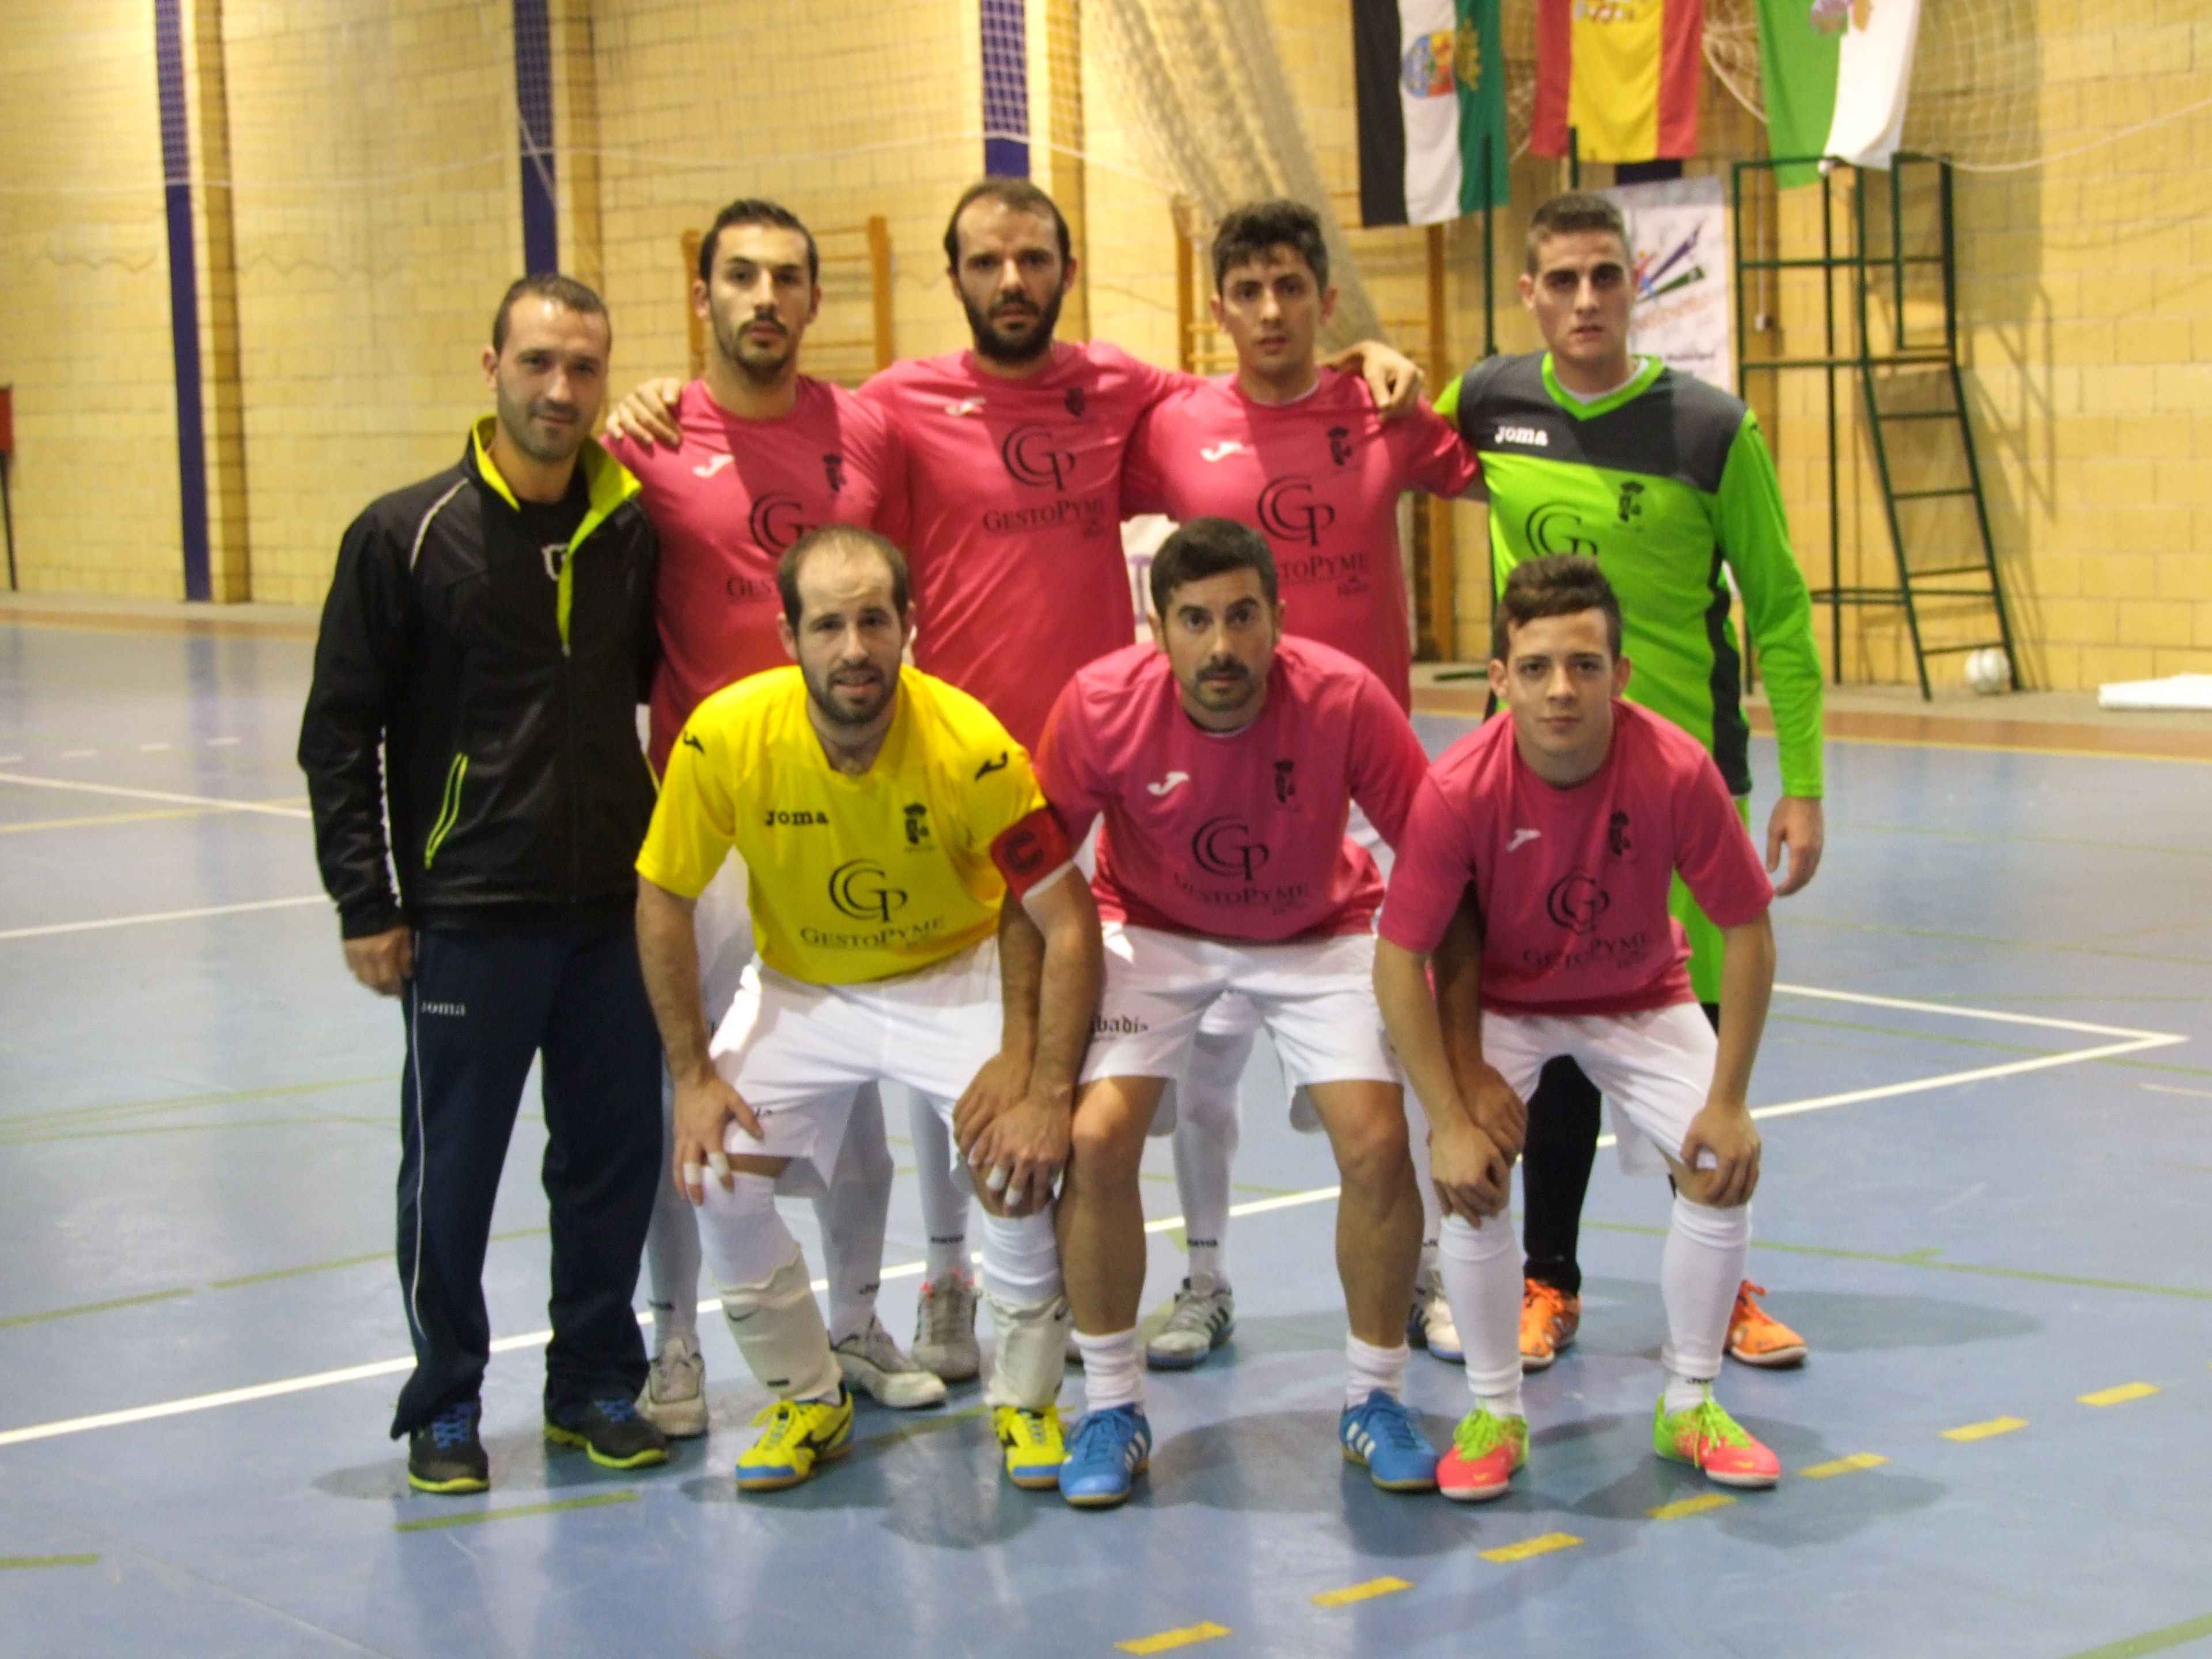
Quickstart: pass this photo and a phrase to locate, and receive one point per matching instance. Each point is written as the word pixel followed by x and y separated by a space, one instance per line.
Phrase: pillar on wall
pixel 534 123
pixel 188 56
pixel 576 123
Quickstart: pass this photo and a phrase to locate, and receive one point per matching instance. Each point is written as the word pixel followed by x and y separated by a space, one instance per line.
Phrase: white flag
pixel 1874 68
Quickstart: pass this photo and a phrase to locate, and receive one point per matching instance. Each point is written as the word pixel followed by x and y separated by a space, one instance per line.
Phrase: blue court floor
pixel 1987 1203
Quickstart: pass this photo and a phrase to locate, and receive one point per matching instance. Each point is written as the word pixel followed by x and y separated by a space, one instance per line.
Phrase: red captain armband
pixel 1031 850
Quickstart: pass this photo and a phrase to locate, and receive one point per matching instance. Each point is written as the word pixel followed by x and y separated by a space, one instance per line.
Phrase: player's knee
pixel 1372 1153
pixel 1107 1140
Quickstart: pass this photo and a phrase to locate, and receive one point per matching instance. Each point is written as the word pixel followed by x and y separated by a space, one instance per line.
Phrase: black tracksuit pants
pixel 481 1007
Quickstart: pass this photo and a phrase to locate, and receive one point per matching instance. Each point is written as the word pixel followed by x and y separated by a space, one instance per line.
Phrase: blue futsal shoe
pixel 1382 1437
pixel 1106 1452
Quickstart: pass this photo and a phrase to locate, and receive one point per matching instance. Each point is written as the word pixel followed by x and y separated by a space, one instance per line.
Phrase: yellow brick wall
pixel 375 219
pixel 84 302
pixel 378 221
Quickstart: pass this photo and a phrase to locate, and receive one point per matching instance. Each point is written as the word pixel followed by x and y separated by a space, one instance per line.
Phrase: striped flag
pixel 1432 80
pixel 1621 74
pixel 1833 77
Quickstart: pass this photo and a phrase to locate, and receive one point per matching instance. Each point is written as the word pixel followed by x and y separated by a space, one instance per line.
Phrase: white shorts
pixel 1316 997
pixel 1654 1068
pixel 796 1052
pixel 1232 1015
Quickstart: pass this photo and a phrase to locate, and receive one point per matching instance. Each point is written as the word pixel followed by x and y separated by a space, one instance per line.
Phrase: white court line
pixel 156 794
pixel 161 915
pixel 2140 1040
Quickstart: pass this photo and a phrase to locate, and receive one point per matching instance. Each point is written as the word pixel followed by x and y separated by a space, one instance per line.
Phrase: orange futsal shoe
pixel 1549 1319
pixel 1755 1338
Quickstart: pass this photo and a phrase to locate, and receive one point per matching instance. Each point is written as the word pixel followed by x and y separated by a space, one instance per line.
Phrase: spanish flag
pixel 1622 75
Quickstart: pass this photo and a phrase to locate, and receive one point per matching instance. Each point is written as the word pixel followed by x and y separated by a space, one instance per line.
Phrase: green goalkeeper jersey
pixel 1668 483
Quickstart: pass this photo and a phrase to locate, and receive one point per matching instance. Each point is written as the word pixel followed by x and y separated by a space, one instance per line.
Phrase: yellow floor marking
pixel 1366 1592
pixel 1686 1506
pixel 1995 1425
pixel 1850 1465
pixel 470 1517
pixel 2120 1395
pixel 1173 1638
pixel 1533 1546
pixel 9 1561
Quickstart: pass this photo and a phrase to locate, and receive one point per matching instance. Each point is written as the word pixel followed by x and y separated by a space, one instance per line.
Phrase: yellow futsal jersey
pixel 850 878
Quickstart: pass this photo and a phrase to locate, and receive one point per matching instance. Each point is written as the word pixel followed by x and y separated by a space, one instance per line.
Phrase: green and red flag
pixel 1430 76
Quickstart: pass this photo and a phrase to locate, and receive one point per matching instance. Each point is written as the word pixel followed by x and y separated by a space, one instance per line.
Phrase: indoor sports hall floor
pixel 1985 1204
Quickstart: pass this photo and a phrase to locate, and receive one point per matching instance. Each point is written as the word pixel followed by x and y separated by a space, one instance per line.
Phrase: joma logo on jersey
pixel 776 522
pixel 1534 436
pixel 773 819
pixel 1287 509
pixel 859 889
pixel 1031 459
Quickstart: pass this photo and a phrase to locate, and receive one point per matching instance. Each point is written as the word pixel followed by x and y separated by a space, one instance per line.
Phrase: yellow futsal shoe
pixel 1034 1446
pixel 801 1434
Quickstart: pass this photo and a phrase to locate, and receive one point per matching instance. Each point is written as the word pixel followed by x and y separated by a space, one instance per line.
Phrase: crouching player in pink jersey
pixel 1225 764
pixel 1570 820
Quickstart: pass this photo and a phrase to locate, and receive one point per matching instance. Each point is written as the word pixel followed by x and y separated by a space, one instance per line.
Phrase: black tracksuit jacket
pixel 491 684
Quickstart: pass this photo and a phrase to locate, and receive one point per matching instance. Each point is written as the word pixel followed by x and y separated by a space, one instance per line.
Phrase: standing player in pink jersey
pixel 1012 523
pixel 1226 761
pixel 1300 452
pixel 1570 820
pixel 768 455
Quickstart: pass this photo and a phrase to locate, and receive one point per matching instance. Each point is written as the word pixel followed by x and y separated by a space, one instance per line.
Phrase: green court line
pixel 1985 939
pixel 93 1307
pixel 21 1122
pixel 2151 1641
pixel 1917 1037
pixel 11 1562
pixel 2024 841
pixel 1920 1259
pixel 113 1132
pixel 471 1517
pixel 346 1261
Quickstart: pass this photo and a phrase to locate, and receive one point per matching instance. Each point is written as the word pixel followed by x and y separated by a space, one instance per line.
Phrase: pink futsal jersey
pixel 1237 834
pixel 1321 478
pixel 726 505
pixel 1573 883
pixel 1014 526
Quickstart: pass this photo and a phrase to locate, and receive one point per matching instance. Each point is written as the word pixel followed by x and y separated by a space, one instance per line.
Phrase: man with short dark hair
pixel 887 819
pixel 1013 517
pixel 1224 760
pixel 1570 819
pixel 1301 453
pixel 1667 481
pixel 767 454
pixel 489 631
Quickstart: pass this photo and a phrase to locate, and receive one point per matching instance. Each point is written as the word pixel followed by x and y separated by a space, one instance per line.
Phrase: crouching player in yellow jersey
pixel 883 817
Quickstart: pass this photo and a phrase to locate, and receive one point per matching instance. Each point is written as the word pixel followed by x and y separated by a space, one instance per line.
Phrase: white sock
pixel 672 1245
pixel 1706 1252
pixel 1481 1272
pixel 1206 1137
pixel 944 1205
pixel 1112 1371
pixel 1373 1368
pixel 853 1215
pixel 1432 1215
pixel 1021 1259
pixel 1030 1359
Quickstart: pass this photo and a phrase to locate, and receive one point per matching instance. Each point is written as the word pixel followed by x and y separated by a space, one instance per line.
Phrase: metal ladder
pixel 1909 382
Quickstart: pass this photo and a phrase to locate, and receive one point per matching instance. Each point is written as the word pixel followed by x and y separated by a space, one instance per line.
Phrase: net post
pixel 694 326
pixel 1443 598
pixel 879 287
pixel 1186 277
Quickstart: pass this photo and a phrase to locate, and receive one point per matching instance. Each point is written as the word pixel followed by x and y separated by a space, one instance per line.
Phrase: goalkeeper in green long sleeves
pixel 1668 482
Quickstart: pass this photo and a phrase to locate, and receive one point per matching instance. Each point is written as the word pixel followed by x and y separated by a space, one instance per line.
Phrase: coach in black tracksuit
pixel 492 629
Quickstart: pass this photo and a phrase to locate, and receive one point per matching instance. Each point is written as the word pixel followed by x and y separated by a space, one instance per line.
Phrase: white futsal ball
pixel 1988 671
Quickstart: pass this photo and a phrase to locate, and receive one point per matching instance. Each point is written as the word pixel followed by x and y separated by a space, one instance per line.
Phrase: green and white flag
pixel 1430 76
pixel 1833 76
